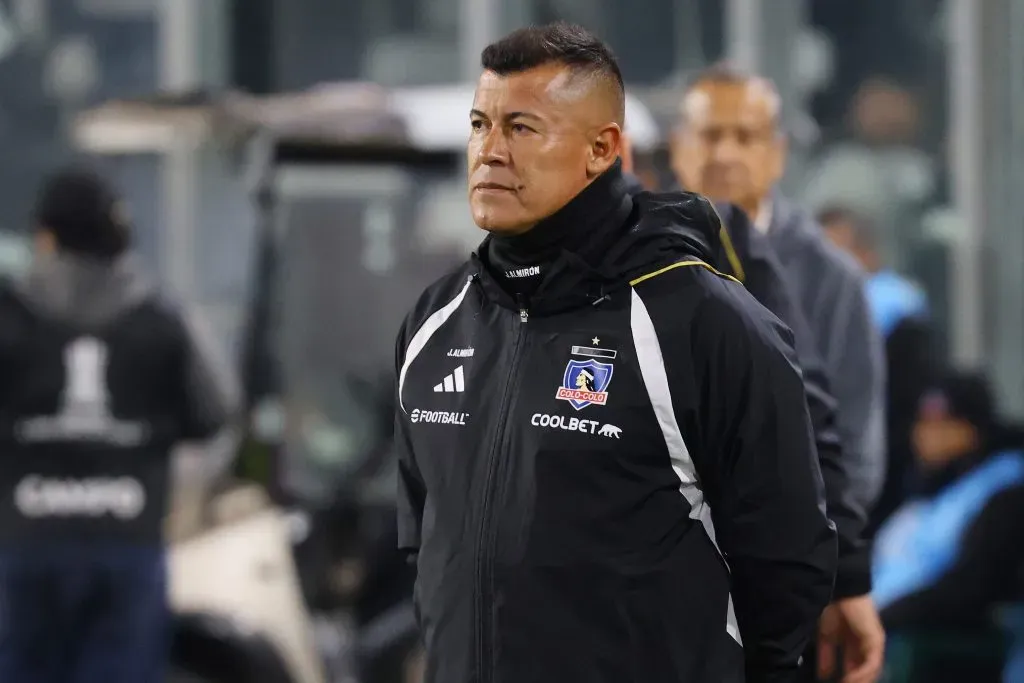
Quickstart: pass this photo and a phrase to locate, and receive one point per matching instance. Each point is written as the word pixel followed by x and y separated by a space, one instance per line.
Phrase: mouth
pixel 492 187
pixel 724 175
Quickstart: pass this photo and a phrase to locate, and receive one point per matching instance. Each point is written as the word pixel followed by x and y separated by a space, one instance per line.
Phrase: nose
pixel 494 149
pixel 726 150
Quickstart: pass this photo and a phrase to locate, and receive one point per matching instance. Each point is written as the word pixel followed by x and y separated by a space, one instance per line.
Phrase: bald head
pixel 756 90
pixel 728 145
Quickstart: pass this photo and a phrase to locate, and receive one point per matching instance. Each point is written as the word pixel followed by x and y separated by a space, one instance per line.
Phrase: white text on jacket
pixel 121 497
pixel 443 417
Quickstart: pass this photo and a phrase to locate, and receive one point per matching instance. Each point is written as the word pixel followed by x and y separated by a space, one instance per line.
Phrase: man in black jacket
pixel 607 470
pixel 101 378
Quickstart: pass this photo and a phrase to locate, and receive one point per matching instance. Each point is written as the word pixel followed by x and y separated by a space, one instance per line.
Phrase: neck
pixel 521 261
pixel 871 265
pixel 760 212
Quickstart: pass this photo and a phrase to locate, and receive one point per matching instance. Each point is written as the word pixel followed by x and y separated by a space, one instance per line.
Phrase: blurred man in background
pixel 728 146
pixel 101 378
pixel 900 311
pixel 953 551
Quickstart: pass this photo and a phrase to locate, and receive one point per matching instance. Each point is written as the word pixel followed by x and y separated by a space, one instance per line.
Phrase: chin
pixel 499 224
pixel 718 194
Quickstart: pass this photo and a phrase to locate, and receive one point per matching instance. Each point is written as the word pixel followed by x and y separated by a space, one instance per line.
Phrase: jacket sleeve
pixel 855 357
pixel 765 282
pixel 985 571
pixel 757 465
pixel 412 493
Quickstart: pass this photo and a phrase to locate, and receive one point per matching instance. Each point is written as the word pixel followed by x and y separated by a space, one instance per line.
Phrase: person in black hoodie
pixel 102 377
pixel 607 468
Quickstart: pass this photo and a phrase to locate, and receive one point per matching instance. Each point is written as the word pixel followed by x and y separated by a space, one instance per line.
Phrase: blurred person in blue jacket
pixel 953 550
pixel 102 377
pixel 901 313
pixel 729 146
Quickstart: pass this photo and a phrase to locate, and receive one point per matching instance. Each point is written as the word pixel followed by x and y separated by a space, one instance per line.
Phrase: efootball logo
pixel 585 382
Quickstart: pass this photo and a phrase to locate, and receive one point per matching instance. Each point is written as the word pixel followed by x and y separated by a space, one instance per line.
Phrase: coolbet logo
pixel 569 424
pixel 443 417
pixel 575 424
pixel 585 382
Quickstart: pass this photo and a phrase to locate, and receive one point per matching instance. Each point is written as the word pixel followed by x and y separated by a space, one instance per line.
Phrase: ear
pixel 604 149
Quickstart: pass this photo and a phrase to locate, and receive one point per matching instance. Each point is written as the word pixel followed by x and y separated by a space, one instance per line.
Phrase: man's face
pixel 534 144
pixel 844 236
pixel 727 146
pixel 940 440
pixel 45 243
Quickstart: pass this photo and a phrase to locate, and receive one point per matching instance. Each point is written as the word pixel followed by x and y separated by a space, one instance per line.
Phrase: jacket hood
pixel 83 291
pixel 670 227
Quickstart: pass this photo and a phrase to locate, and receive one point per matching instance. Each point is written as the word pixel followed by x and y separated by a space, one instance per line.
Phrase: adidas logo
pixel 453 383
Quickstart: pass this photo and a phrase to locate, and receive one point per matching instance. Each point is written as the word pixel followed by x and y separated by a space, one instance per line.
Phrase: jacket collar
pixel 788 225
pixel 573 242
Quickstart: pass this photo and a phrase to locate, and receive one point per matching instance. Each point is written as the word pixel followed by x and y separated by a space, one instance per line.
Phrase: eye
pixel 712 135
pixel 476 124
pixel 520 128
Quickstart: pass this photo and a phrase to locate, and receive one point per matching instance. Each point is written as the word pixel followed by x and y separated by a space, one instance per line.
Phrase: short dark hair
pixel 83 213
pixel 558 43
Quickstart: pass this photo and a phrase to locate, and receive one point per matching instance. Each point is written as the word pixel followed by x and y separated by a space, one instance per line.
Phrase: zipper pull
pixel 524 313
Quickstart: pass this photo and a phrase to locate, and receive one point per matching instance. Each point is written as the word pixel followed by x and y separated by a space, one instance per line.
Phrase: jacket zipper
pixel 486 535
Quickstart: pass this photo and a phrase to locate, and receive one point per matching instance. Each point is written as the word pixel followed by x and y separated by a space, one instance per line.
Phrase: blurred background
pixel 294 168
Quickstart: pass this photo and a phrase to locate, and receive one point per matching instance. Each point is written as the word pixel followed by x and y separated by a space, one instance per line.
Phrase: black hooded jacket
pixel 102 377
pixel 608 473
